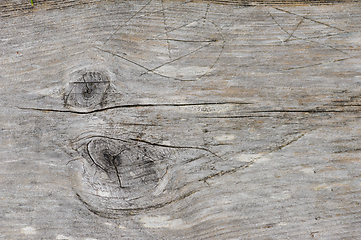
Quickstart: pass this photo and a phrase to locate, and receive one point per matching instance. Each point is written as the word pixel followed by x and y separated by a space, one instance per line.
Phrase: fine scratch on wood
pixel 166 29
pixel 128 20
pixel 176 59
pixel 305 17
pixel 144 67
pixel 308 39
pixel 293 31
pixel 321 63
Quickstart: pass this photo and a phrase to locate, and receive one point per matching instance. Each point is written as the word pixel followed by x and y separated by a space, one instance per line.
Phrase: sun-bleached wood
pixel 180 120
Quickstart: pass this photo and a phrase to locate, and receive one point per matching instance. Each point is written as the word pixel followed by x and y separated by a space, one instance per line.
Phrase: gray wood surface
pixel 180 120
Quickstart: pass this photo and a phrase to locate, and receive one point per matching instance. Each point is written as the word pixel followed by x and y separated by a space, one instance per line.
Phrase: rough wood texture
pixel 180 119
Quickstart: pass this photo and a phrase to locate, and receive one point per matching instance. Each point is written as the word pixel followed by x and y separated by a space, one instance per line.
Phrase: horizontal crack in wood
pixel 133 106
pixel 170 146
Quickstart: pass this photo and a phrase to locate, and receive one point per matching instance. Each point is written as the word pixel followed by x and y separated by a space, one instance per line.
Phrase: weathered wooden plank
pixel 178 119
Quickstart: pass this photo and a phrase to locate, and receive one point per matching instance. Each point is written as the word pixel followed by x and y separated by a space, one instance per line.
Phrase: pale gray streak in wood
pixel 180 120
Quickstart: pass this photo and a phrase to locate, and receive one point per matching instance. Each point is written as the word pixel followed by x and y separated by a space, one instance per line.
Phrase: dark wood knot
pixel 88 91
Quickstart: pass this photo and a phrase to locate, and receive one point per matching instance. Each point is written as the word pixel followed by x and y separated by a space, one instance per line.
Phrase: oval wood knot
pixel 88 91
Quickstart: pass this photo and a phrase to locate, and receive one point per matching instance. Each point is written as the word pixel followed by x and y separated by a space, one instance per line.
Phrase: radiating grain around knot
pixel 132 166
pixel 88 91
pixel 120 175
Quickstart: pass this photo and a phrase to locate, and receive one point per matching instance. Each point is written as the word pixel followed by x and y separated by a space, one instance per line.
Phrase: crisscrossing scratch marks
pixel 314 27
pixel 303 28
pixel 171 40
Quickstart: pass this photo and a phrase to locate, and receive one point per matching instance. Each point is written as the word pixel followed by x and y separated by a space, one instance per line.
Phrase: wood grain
pixel 180 120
